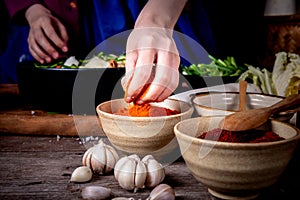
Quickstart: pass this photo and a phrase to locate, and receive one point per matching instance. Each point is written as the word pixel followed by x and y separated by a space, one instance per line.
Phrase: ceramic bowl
pixel 225 103
pixel 142 135
pixel 234 170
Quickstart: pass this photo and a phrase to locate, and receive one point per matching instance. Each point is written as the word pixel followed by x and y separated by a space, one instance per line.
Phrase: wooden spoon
pixel 245 120
pixel 242 95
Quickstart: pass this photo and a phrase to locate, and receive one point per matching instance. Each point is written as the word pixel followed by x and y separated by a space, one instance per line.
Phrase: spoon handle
pixel 242 95
pixel 289 102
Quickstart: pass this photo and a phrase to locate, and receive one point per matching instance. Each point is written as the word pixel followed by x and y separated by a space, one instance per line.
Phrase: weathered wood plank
pixel 33 167
pixel 40 167
pixel 37 122
pixel 17 118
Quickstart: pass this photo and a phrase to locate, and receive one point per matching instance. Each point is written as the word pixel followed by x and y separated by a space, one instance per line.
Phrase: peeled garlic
pixel 133 173
pixel 95 192
pixel 101 158
pixel 81 174
pixel 162 192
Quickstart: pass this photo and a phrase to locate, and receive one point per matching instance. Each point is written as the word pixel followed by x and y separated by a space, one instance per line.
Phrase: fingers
pixel 131 58
pixel 58 37
pixel 145 83
pixel 138 75
pixel 39 45
pixel 165 80
pixel 44 40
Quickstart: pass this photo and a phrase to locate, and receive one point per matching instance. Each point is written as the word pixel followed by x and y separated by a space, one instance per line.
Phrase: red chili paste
pixel 250 136
pixel 146 110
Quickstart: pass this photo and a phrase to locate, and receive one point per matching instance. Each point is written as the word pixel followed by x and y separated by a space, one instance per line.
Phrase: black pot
pixel 76 91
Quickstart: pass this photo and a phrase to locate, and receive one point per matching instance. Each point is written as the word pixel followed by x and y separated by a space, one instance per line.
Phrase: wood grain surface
pixel 16 117
pixel 40 167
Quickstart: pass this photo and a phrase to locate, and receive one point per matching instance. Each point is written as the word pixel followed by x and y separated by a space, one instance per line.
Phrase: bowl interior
pixel 194 127
pixel 109 107
pixel 230 100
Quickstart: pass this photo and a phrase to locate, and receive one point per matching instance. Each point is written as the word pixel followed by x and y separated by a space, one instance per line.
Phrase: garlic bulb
pixel 95 192
pixel 162 192
pixel 133 173
pixel 81 174
pixel 101 158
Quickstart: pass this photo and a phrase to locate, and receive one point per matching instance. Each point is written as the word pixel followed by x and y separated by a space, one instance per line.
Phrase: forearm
pixel 35 11
pixel 17 8
pixel 160 13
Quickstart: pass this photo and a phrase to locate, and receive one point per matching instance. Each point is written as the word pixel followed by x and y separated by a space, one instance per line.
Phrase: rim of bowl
pixel 122 117
pixel 233 144
pixel 194 96
pixel 81 69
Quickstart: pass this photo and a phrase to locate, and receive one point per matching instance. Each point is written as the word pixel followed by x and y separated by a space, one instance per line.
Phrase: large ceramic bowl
pixel 225 103
pixel 142 135
pixel 234 170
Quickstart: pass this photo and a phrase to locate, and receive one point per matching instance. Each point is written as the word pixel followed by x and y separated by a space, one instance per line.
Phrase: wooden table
pixel 39 166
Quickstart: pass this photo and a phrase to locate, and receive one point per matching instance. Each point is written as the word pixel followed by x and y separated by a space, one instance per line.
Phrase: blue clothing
pixel 16 47
pixel 103 19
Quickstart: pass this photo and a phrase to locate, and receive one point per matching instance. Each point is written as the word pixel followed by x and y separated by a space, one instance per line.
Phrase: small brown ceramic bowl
pixel 142 135
pixel 235 170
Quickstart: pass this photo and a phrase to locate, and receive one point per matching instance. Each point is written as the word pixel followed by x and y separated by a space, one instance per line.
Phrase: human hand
pixel 47 35
pixel 152 63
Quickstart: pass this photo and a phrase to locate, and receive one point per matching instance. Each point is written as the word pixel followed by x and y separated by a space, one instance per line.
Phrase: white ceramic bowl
pixel 234 170
pixel 142 135
pixel 225 103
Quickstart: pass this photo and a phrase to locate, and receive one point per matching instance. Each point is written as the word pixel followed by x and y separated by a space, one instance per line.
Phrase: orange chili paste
pixel 146 110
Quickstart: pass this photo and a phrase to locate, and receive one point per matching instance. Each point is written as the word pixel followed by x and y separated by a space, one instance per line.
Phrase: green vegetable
pixel 82 62
pixel 217 67
pixel 261 78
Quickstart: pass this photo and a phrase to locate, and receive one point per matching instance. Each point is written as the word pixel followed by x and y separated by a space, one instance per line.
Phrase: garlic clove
pixel 140 174
pixel 123 198
pixel 81 174
pixel 124 173
pixel 85 158
pixel 155 171
pixel 119 166
pixel 95 192
pixel 111 159
pixel 162 192
pixel 98 159
pixel 134 156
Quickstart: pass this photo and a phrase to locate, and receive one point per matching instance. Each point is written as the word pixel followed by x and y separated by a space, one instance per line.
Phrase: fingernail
pixel 64 49
pixel 140 102
pixel 55 55
pixel 48 59
pixel 130 99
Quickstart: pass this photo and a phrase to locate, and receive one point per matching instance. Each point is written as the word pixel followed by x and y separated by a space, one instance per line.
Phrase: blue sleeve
pixel 197 40
pixel 16 48
pixel 108 18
